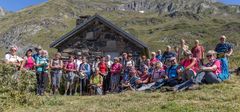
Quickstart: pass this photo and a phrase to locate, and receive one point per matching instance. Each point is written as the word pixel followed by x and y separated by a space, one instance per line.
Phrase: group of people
pixel 178 69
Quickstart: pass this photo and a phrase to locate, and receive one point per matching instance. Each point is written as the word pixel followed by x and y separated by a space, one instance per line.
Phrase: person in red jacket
pixel 103 69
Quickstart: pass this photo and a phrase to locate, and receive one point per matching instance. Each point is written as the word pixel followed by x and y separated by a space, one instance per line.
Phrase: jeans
pixel 42 79
pixel 83 85
pixel 56 76
pixel 145 86
pixel 162 82
pixel 203 77
pixel 115 82
pixel 106 83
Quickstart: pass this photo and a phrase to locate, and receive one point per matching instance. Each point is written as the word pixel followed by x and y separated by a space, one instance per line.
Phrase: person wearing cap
pixel 168 54
pixel 37 55
pixel 190 65
pixel 171 77
pixel 208 74
pixel 28 61
pixel 56 66
pixel 223 48
pixel 198 52
pixel 12 58
pixel 42 66
pixel 115 72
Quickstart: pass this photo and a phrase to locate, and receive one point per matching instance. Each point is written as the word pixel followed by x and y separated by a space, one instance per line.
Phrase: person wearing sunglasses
pixel 209 74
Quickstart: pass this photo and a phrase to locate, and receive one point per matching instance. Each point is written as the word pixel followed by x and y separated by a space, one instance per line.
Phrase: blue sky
pixel 15 5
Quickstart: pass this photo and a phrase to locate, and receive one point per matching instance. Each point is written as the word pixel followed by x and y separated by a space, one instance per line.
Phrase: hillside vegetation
pixel 164 22
pixel 20 97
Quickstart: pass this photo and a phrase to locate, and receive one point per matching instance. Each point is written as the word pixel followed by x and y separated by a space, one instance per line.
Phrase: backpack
pixel 224 75
pixel 172 71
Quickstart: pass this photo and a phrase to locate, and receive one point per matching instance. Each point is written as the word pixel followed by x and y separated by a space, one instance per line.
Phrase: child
pixel 56 66
pixel 96 83
pixel 70 68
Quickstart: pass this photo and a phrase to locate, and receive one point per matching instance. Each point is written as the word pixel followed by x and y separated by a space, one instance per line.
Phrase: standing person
pixel 103 69
pixel 95 63
pixel 96 83
pixel 84 71
pixel 128 66
pixel 198 52
pixel 183 48
pixel 124 58
pixel 42 66
pixel 109 64
pixel 144 62
pixel 11 58
pixel 167 55
pixel 224 50
pixel 76 80
pixel 159 55
pixel 56 66
pixel 176 50
pixel 37 55
pixel 115 71
pixel 78 60
pixel 28 61
pixel 70 68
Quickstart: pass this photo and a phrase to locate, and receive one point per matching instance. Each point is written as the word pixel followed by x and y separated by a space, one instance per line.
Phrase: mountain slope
pixel 163 21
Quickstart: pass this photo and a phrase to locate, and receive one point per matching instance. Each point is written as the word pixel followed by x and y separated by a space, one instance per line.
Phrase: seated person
pixel 96 83
pixel 190 65
pixel 136 80
pixel 210 73
pixel 157 74
pixel 172 75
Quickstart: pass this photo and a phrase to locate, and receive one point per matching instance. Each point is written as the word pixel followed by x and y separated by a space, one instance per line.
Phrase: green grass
pixel 211 98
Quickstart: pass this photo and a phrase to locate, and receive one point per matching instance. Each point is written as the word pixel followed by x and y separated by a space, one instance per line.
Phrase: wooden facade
pixel 98 36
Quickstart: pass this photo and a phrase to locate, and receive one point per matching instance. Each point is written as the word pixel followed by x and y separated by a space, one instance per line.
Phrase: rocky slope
pixel 159 22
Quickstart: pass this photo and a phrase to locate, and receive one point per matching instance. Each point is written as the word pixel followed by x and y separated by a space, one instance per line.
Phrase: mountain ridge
pixel 48 21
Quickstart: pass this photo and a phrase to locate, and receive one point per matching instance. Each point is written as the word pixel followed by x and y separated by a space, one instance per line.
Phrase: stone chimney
pixel 82 19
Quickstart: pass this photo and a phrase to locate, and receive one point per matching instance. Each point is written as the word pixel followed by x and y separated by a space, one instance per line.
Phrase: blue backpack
pixel 225 71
